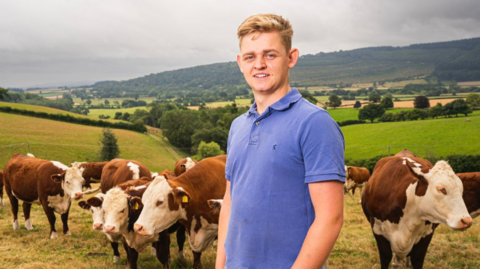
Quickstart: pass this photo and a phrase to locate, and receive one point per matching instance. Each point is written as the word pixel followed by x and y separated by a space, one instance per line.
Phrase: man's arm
pixel 327 199
pixel 222 228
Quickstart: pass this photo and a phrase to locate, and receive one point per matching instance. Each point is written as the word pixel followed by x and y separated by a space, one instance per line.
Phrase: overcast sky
pixel 59 42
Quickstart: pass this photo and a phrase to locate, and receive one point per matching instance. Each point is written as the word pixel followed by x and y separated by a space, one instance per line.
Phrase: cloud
pixel 60 42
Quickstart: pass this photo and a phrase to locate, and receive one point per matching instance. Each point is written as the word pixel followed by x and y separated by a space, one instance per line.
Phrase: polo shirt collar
pixel 291 97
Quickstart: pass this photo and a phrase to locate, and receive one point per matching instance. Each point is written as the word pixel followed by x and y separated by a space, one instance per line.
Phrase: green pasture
pixel 65 142
pixel 97 101
pixel 111 112
pixel 439 137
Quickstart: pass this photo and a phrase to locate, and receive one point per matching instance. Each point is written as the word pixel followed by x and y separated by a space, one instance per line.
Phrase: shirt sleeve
pixel 323 149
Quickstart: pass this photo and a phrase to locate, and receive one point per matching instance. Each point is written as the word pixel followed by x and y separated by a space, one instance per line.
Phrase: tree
pixel 308 96
pixel 387 102
pixel 435 111
pixel 473 100
pixel 334 101
pixel 421 101
pixel 109 148
pixel 357 104
pixel 106 102
pixel 374 98
pixel 206 150
pixel 461 107
pixel 371 112
pixel 3 92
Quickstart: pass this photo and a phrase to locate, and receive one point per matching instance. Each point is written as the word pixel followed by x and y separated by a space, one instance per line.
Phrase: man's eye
pixel 270 56
pixel 249 58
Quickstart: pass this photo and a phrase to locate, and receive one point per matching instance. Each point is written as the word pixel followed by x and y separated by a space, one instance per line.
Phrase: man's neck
pixel 265 100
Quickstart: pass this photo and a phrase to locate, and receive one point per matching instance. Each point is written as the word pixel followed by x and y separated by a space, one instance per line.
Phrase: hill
pixel 66 142
pixel 454 60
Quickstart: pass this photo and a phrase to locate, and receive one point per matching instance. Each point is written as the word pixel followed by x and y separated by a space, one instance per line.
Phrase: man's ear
pixel 57 178
pixel 293 58
pixel 239 62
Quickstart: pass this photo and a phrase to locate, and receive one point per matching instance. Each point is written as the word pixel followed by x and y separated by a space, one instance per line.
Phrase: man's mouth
pixel 261 75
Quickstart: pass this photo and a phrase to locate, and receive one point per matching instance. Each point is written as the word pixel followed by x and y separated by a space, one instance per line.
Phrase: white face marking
pixel 156 217
pixel 135 170
pixel 97 214
pixel 201 240
pixel 60 165
pixel 58 203
pixel 73 182
pixel 115 210
pixel 189 164
pixel 154 174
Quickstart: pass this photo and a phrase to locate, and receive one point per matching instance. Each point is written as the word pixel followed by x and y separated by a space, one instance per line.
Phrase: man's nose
pixel 260 63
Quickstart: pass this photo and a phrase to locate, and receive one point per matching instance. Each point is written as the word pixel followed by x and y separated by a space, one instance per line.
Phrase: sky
pixel 77 42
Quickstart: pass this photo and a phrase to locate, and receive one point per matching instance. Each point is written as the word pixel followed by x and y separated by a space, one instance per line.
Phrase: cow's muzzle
pixel 139 229
pixel 97 226
pixel 109 229
pixel 78 195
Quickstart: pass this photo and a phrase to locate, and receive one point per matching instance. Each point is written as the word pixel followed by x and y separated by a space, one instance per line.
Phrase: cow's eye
pixel 442 190
pixel 68 182
pixel 159 203
pixel 122 210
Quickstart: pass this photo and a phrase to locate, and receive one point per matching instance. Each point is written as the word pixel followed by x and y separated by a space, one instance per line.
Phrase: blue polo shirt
pixel 270 159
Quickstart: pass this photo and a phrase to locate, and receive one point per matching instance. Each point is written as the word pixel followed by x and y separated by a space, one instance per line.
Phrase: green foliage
pixel 374 98
pixel 421 101
pixel 464 163
pixel 367 163
pixel 179 126
pixel 357 104
pixel 218 134
pixel 387 102
pixel 334 101
pixel 308 96
pixel 109 148
pixel 371 112
pixel 34 99
pixel 3 92
pixel 473 100
pixel 206 150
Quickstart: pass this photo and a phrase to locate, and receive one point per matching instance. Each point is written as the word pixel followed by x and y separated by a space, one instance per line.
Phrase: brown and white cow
pixel 184 199
pixel 471 192
pixel 118 171
pixel 356 177
pixel 183 165
pixel 405 199
pixel 1 188
pixel 36 181
pixel 91 170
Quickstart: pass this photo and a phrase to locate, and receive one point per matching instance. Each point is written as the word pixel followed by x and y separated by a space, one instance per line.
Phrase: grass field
pixel 355 248
pixel 111 112
pixel 97 101
pixel 440 137
pixel 65 142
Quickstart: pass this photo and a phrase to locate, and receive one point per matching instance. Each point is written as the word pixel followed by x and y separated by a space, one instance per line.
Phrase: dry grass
pixel 355 248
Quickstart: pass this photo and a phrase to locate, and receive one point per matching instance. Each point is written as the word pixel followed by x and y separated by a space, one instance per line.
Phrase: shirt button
pixel 257 123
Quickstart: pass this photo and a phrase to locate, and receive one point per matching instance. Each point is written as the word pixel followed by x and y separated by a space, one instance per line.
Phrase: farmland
pixel 86 248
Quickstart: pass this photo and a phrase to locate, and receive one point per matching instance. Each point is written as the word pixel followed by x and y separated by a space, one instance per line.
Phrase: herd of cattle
pixel 404 200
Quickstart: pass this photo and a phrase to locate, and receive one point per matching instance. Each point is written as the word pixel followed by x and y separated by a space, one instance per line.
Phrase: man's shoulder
pixel 307 109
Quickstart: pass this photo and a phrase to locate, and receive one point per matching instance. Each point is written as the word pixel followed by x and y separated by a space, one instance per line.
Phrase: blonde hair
pixel 262 23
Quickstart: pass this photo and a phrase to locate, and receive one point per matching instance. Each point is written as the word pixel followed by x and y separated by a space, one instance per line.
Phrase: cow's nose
pixel 466 222
pixel 138 228
pixel 78 195
pixel 97 226
pixel 109 229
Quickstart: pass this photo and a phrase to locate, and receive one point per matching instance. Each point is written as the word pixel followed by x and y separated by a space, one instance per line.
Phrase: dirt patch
pixel 469 83
pixel 433 102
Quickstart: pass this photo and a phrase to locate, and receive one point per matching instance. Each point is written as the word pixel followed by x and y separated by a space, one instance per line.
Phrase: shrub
pixel 109 148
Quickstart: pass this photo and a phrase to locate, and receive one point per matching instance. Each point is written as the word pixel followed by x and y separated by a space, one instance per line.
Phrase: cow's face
pixel 115 208
pixel 443 202
pixel 94 204
pixel 163 205
pixel 72 182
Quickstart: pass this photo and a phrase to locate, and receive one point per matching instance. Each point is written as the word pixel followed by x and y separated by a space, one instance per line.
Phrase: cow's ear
pixel 84 205
pixel 95 201
pixel 135 203
pixel 181 195
pixel 57 178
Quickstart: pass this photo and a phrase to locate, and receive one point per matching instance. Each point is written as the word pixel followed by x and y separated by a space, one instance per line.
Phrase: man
pixel 283 207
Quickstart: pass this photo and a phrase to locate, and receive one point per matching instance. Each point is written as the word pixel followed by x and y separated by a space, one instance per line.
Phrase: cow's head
pixel 188 164
pixel 71 180
pixel 94 204
pixel 115 208
pixel 442 194
pixel 163 205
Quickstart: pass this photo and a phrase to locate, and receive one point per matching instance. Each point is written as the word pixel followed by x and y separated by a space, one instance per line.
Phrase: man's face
pixel 265 62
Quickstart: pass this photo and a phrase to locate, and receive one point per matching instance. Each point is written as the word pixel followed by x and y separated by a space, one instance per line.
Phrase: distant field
pixel 96 101
pixel 469 83
pixel 111 112
pixel 440 137
pixel 65 142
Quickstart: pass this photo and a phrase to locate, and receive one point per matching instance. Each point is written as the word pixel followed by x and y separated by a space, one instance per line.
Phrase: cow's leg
pixel 51 219
pixel 384 249
pixel 1 195
pixel 196 260
pixel 87 183
pixel 116 253
pixel 181 241
pixel 14 205
pixel 162 247
pixel 132 255
pixel 26 213
pixel 419 251
pixel 64 216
